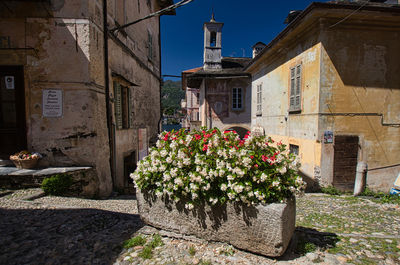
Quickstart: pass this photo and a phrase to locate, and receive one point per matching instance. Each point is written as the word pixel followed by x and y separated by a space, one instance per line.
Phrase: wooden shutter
pixel 117 105
pixel 297 104
pixel 295 88
pixel 130 108
pixel 292 88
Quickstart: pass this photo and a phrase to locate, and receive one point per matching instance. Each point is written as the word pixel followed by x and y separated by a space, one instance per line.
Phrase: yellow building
pixel 329 87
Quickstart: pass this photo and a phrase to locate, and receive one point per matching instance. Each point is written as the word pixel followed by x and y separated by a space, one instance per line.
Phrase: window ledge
pixel 294 111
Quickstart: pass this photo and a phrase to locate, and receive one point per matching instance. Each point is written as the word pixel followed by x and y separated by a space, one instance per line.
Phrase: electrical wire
pixel 160 12
pixel 352 13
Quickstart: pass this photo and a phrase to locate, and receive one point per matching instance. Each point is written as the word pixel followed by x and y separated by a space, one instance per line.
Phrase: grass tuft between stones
pixel 147 251
pixel 133 242
pixel 192 251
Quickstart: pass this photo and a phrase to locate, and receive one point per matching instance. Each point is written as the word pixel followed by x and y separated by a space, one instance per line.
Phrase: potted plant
pixel 25 159
pixel 214 185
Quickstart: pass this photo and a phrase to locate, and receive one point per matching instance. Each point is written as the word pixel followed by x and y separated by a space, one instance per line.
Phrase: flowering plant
pixel 216 167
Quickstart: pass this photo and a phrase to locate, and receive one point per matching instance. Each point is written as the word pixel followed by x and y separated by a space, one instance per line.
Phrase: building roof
pixel 231 66
pixel 192 70
pixel 388 6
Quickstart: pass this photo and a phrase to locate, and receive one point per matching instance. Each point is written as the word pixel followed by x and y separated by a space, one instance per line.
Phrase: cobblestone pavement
pixel 60 230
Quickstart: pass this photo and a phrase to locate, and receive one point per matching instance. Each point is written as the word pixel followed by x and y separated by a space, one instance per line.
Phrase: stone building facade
pixel 328 86
pixel 56 54
pixel 223 88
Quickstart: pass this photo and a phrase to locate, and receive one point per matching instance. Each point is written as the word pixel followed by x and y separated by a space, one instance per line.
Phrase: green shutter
pixel 117 105
pixel 130 107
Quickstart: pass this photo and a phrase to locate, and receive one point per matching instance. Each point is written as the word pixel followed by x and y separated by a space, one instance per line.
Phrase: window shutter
pixel 117 105
pixel 298 88
pixel 239 104
pixel 292 88
pixel 130 107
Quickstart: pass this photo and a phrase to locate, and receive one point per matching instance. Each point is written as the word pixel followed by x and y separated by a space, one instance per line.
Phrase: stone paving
pixel 37 229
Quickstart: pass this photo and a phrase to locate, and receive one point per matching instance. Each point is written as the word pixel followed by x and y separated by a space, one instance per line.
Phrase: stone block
pixel 263 229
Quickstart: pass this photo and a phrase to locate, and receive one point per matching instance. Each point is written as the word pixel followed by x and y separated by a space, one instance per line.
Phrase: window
pixel 295 88
pixel 259 100
pixel 149 45
pixel 294 149
pixel 198 98
pixel 213 39
pixel 236 98
pixel 122 106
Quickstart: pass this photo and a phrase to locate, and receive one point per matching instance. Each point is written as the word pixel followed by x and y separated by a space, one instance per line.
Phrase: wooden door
pixel 345 162
pixel 12 111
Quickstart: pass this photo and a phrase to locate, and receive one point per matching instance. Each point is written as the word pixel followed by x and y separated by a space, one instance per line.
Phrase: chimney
pixel 257 48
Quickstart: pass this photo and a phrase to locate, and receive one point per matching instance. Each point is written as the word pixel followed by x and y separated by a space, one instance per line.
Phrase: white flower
pixel 166 176
pixel 263 177
pixel 168 160
pixel 238 188
pixel 179 182
pixel 223 187
pixel 282 170
pixel 189 206
pixel 163 153
pixel 275 183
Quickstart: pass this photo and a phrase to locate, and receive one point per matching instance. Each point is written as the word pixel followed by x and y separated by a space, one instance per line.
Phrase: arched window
pixel 213 39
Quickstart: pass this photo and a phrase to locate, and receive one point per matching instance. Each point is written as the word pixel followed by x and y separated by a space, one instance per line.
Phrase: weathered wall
pixel 58 57
pixel 219 103
pixel 66 53
pixel 128 57
pixel 291 128
pixel 360 95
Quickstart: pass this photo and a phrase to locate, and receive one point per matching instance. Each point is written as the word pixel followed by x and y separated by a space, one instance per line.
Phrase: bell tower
pixel 212 44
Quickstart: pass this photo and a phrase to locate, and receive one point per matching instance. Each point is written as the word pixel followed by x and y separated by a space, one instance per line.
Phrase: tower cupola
pixel 212 44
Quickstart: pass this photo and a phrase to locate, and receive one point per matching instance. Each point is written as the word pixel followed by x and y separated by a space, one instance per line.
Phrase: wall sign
pixel 328 137
pixel 52 103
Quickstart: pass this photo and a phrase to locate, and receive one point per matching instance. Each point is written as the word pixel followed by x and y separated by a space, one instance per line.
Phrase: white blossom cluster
pixel 216 167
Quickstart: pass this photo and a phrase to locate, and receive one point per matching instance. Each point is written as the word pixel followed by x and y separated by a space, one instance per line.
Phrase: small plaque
pixel 52 103
pixel 328 137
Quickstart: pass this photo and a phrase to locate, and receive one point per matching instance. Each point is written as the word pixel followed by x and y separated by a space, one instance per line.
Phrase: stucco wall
pixel 360 92
pixel 219 103
pixel 66 53
pixel 299 128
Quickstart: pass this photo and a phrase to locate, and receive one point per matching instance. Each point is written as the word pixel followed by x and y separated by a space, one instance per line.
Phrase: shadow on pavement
pixel 64 236
pixel 306 240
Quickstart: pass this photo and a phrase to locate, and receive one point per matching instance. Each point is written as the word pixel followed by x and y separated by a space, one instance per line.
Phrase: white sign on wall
pixel 52 103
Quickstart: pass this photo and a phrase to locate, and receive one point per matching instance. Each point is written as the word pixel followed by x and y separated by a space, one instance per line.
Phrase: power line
pixel 352 13
pixel 160 12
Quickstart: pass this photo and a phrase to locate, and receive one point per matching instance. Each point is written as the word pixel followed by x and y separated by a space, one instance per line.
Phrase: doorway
pixel 12 111
pixel 345 162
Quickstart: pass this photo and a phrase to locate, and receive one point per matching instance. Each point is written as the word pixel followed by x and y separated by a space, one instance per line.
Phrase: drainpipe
pixel 107 96
pixel 161 79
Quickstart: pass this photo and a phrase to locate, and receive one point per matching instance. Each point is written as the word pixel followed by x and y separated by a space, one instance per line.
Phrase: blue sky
pixel 246 22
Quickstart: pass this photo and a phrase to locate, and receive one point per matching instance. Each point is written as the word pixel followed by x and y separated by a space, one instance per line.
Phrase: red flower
pixel 197 136
pixel 214 131
pixel 251 157
pixel 256 166
pixel 205 147
pixel 264 158
pixel 246 136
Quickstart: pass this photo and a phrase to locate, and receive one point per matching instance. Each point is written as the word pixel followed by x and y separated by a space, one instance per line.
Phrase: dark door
pixel 12 110
pixel 345 162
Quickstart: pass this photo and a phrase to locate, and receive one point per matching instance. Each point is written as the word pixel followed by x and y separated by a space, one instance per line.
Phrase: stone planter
pixel 263 229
